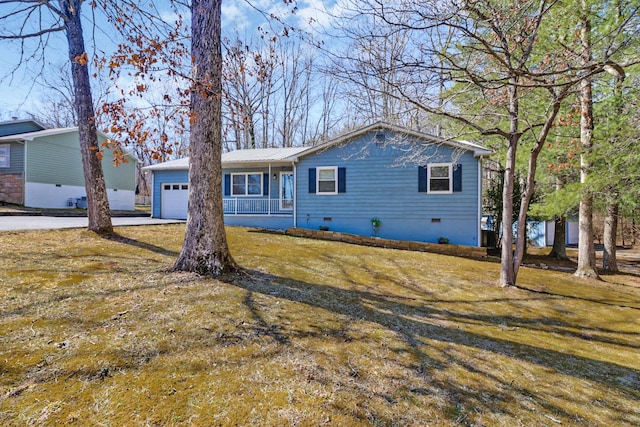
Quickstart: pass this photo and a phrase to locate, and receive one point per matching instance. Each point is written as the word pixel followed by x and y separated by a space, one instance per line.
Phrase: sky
pixel 22 92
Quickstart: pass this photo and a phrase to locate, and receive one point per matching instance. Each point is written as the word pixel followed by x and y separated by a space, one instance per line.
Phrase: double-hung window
pixel 327 180
pixel 246 184
pixel 439 177
pixel 5 159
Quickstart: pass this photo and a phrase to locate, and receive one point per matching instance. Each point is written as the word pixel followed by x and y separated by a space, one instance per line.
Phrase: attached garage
pixel 174 200
pixel 170 189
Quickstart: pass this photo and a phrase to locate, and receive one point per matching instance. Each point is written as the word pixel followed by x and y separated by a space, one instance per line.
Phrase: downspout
pixel 295 194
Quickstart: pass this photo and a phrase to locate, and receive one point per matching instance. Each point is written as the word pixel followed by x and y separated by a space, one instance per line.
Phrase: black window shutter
pixel 422 179
pixel 265 184
pixel 457 178
pixel 312 180
pixel 227 184
pixel 342 180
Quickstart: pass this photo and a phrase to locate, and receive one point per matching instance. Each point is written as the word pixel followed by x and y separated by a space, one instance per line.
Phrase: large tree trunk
pixel 205 250
pixel 97 201
pixel 609 259
pixel 507 273
pixel 559 249
pixel 586 248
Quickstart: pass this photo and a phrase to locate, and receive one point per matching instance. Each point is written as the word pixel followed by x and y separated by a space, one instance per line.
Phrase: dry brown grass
pixel 95 331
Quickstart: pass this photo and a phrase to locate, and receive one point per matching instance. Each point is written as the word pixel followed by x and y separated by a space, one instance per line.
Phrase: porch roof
pixel 262 155
pixel 243 157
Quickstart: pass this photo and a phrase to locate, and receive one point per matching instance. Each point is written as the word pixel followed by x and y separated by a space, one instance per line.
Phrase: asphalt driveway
pixel 10 223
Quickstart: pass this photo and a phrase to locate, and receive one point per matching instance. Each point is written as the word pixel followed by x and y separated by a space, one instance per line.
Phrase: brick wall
pixel 11 188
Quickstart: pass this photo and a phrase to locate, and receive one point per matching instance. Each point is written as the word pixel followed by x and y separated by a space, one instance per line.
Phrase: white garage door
pixel 174 200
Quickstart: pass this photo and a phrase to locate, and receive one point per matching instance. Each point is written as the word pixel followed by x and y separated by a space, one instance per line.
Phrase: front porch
pixel 257 212
pixel 257 206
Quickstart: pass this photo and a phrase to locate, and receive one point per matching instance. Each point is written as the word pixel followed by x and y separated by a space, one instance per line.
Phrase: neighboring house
pixel 418 186
pixel 42 167
pixel 541 233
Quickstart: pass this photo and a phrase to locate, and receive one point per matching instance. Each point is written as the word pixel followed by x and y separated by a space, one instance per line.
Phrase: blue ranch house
pixel 415 186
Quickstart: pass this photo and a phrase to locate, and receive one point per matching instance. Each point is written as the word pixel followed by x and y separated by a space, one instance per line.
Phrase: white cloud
pixel 314 13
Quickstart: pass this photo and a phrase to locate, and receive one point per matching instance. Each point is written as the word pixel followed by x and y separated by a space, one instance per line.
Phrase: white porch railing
pixel 255 206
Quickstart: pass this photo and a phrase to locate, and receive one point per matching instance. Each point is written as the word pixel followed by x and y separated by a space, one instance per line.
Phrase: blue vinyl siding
pixel 537 233
pixel 260 221
pixel 381 183
pixel 160 177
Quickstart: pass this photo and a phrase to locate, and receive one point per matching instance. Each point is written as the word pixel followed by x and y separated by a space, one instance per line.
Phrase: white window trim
pixel 434 165
pixel 335 174
pixel 6 155
pixel 246 184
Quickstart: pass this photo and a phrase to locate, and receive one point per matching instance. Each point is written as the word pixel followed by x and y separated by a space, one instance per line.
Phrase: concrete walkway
pixel 11 223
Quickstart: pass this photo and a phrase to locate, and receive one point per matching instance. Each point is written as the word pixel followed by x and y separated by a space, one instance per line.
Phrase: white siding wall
pixel 39 195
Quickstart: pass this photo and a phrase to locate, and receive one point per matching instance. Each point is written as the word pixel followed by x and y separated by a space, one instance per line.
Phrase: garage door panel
pixel 175 196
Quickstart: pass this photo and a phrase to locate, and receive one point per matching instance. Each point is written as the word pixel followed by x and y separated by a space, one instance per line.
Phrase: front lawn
pixel 96 331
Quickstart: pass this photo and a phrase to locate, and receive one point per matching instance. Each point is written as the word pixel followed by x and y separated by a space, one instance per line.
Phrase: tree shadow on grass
pixel 416 323
pixel 115 237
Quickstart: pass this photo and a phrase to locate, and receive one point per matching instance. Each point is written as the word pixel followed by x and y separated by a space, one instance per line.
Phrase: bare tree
pixel 375 69
pixel 327 120
pixel 39 19
pixel 294 97
pixel 57 103
pixel 247 87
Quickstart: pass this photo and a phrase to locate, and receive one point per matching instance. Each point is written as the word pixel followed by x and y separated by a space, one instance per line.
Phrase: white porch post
pixel 270 190
pixel 479 242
